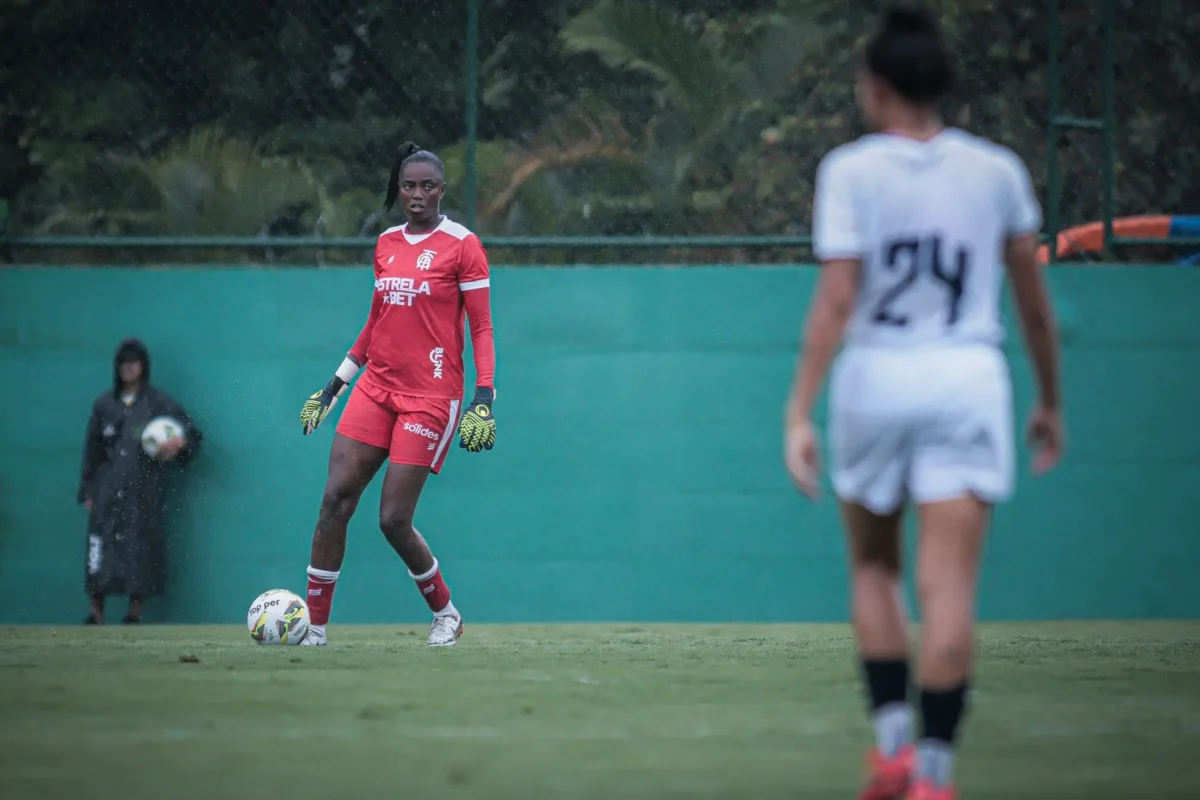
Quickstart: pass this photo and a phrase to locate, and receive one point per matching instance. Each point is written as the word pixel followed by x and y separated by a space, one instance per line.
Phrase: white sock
pixel 425 575
pixel 935 761
pixel 324 575
pixel 893 727
pixel 448 611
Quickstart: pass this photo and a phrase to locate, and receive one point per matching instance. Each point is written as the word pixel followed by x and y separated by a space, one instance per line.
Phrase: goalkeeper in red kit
pixel 406 407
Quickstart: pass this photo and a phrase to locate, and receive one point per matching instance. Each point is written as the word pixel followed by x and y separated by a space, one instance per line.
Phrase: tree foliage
pixel 597 116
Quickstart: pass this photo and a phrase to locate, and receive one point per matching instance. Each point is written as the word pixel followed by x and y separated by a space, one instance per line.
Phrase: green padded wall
pixel 637 474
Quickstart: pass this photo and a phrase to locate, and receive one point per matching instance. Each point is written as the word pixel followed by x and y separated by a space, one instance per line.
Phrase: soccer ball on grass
pixel 278 616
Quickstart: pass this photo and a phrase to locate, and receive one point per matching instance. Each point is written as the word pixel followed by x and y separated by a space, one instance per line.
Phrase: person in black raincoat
pixel 123 489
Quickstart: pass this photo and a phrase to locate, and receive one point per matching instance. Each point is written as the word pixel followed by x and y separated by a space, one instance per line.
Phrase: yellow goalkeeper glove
pixel 477 431
pixel 319 404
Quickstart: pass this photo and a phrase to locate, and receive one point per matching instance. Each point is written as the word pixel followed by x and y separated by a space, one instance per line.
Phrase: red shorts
pixel 414 430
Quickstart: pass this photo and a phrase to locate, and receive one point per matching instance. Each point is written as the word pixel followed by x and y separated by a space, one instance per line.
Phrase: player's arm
pixel 358 351
pixel 837 245
pixel 477 431
pixel 1029 284
pixel 829 311
pixel 319 404
pixel 1038 325
pixel 1036 315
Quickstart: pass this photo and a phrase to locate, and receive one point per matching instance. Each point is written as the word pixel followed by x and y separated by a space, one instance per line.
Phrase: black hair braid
pixel 407 149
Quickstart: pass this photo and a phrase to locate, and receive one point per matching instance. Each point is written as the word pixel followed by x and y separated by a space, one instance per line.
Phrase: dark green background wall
pixel 637 474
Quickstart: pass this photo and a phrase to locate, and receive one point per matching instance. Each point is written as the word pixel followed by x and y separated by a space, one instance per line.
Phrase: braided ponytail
pixel 407 149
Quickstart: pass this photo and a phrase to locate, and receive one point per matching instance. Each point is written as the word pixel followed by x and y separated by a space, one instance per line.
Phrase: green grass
pixel 581 711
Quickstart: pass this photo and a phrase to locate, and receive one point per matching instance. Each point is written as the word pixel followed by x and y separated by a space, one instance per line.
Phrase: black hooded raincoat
pixel 126 542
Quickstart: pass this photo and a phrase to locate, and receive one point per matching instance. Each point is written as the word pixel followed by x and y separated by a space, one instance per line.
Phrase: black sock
pixel 887 681
pixel 887 691
pixel 941 712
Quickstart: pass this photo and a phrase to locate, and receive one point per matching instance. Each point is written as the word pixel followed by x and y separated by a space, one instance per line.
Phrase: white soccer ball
pixel 157 431
pixel 278 616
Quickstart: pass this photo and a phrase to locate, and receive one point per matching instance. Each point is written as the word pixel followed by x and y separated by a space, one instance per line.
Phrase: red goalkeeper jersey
pixel 425 284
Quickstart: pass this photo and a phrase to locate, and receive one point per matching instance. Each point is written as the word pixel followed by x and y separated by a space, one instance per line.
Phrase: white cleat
pixel 315 636
pixel 445 630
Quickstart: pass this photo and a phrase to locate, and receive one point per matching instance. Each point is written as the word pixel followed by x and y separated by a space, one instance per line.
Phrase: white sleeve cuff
pixel 835 253
pixel 347 370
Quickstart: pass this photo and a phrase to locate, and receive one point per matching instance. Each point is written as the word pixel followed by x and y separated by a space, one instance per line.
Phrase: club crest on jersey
pixel 400 291
pixel 425 260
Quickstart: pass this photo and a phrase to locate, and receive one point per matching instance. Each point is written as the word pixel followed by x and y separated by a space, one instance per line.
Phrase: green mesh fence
pixel 572 130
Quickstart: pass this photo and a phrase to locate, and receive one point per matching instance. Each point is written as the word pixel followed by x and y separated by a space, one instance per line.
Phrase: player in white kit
pixel 914 227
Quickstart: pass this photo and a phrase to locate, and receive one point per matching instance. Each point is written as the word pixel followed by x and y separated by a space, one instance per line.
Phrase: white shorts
pixel 920 425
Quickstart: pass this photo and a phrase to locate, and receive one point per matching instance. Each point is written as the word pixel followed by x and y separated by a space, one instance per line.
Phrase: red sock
pixel 433 588
pixel 321 584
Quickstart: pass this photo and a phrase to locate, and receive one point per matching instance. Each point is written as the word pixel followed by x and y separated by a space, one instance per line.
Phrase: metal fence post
pixel 1054 89
pixel 1109 113
pixel 472 110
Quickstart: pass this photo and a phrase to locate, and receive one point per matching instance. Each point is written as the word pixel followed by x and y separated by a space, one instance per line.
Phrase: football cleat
pixel 924 790
pixel 445 630
pixel 888 777
pixel 315 637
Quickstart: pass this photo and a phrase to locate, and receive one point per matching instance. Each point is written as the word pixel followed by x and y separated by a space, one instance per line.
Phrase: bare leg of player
pixel 352 465
pixel 881 628
pixel 402 485
pixel 952 536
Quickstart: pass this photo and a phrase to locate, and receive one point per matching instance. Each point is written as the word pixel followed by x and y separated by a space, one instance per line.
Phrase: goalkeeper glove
pixel 320 403
pixel 477 431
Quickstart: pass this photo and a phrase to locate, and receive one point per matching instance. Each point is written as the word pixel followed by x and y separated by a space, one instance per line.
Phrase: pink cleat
pixel 924 790
pixel 889 777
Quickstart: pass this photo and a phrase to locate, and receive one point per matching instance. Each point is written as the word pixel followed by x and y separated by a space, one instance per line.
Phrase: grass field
pixel 612 711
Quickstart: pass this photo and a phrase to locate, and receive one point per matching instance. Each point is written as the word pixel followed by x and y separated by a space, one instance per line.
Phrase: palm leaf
pixel 713 77
pixel 643 37
pixel 210 183
pixel 205 183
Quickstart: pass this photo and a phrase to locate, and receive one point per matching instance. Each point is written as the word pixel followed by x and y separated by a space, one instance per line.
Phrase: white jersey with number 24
pixel 929 222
